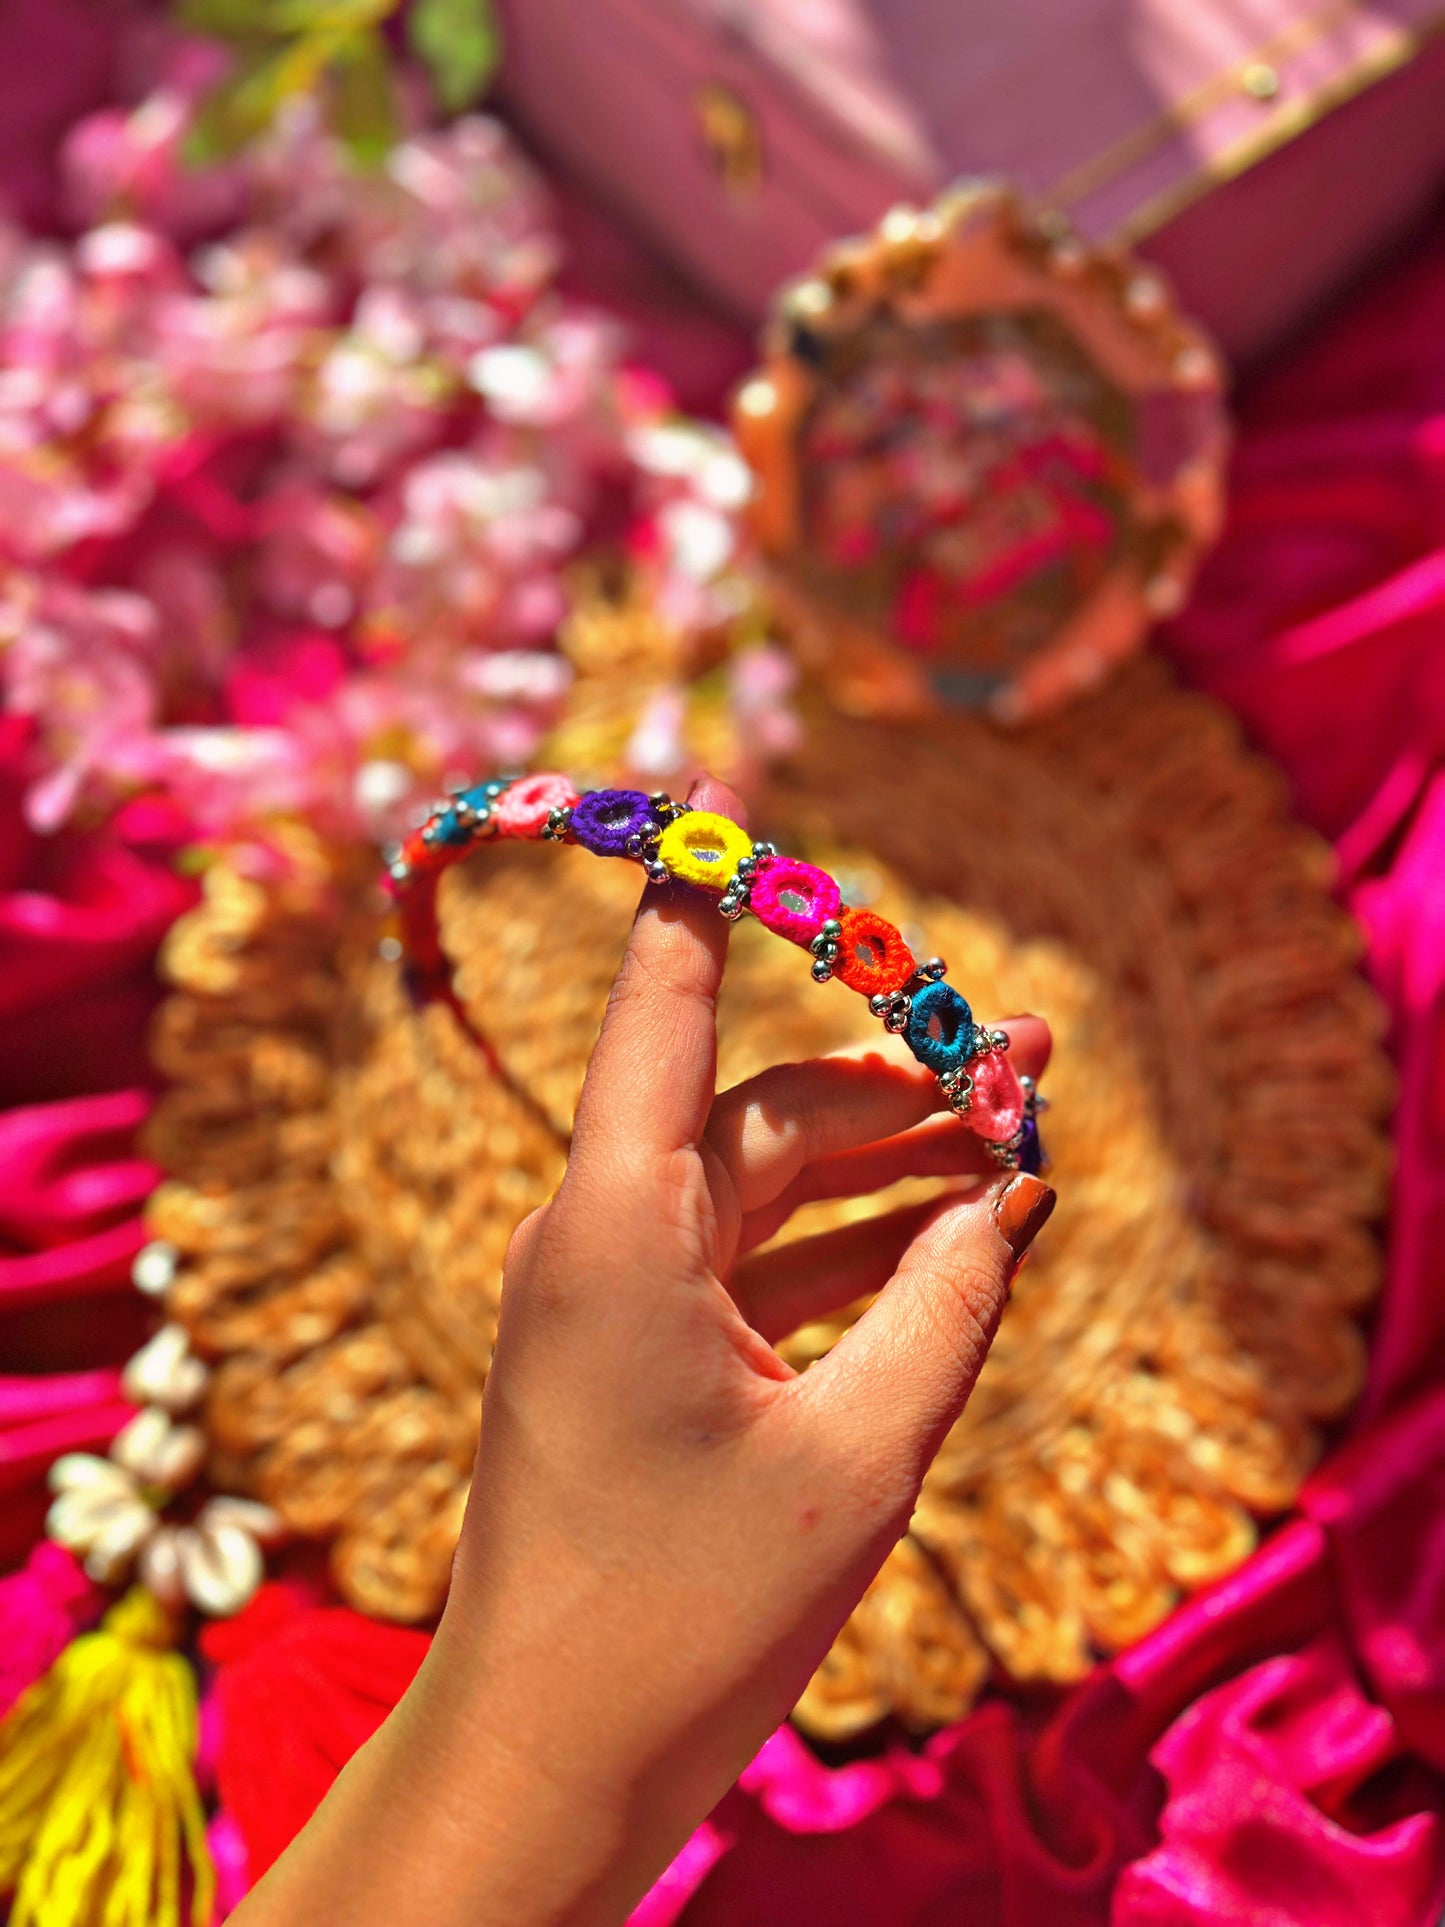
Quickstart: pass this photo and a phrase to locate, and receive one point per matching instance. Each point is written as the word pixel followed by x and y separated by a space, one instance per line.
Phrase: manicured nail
pixel 1021 1210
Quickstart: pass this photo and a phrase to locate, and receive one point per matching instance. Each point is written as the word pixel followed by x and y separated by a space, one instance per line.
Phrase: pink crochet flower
pixel 524 808
pixel 793 898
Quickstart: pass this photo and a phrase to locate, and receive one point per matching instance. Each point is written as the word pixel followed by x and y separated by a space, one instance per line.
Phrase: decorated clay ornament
pixel 987 457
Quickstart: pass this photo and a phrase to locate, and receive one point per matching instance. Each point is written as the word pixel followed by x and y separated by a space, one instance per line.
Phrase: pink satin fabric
pixel 1276 1751
pixel 80 919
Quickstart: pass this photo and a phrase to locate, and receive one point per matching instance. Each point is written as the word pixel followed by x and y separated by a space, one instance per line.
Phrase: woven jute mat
pixel 344 1173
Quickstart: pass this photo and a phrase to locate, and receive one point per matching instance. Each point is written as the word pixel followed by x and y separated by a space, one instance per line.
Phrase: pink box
pixel 1258 151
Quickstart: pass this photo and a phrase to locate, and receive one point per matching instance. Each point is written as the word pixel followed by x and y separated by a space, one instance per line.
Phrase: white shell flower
pixel 216 1562
pixel 98 1513
pixel 108 1511
pixel 165 1372
pixel 154 1269
pixel 157 1452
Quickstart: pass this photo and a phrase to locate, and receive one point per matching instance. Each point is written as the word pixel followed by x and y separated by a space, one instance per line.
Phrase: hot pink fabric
pixel 80 918
pixel 1276 1752
pixel 42 1607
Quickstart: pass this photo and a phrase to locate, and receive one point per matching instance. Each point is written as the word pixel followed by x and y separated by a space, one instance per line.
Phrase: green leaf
pixel 245 104
pixel 280 19
pixel 240 108
pixel 364 101
pixel 238 19
pixel 458 44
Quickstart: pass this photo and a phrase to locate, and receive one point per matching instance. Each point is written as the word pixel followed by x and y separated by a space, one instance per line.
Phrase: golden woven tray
pixel 344 1175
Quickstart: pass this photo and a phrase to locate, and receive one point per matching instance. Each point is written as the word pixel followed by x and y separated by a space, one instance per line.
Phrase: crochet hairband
pixel 799 901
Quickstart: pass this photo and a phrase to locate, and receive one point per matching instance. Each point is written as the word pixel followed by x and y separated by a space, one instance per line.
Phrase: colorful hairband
pixel 674 842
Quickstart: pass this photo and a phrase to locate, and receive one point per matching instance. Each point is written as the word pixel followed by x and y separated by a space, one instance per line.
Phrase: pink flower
pixel 128 163
pixel 81 663
pixel 375 399
pixel 763 681
pixel 318 553
pixel 233 353
pixel 323 476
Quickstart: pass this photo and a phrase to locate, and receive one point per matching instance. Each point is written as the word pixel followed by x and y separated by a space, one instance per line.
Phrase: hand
pixel 667 1525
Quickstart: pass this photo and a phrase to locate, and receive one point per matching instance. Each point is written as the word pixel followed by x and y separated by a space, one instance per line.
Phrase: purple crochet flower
pixel 604 820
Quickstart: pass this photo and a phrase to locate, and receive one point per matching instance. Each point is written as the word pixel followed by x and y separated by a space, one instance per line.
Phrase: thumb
pixel 903 1373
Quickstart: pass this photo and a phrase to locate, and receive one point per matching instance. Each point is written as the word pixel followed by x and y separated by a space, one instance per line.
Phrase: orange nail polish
pixel 1021 1210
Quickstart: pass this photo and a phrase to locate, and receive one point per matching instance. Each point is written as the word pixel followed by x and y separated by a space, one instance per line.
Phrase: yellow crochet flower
pixel 703 849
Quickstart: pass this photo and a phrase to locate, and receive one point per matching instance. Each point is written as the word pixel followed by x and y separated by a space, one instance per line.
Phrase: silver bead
pixel 934 970
pixel 399 872
pixel 896 1022
pixel 656 870
pixel 761 850
pixel 822 971
pixel 957 1087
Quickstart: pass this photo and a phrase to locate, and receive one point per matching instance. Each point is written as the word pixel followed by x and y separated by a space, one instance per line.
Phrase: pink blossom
pixel 323 477
pixel 81 663
pixel 318 552
pixel 375 399
pixel 233 352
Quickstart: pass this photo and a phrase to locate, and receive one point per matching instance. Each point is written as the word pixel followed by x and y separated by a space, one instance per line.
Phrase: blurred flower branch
pixel 299 461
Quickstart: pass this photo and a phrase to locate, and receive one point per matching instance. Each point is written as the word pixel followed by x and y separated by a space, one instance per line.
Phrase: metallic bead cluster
pixel 894 1008
pixel 825 950
pixel 644 845
pixel 735 899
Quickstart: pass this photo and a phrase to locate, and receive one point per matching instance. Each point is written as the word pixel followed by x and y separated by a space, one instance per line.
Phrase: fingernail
pixel 1021 1210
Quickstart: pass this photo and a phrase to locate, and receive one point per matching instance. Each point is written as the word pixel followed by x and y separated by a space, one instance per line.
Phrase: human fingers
pixel 940 1147
pixel 900 1376
pixel 654 1068
pixel 788 1286
pixel 767 1131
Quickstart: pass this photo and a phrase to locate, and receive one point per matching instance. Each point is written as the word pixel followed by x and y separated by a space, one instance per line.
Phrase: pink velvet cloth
pixel 1275 1753
pixel 80 918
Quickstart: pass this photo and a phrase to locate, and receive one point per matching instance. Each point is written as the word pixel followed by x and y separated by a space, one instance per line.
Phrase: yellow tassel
pixel 97 1797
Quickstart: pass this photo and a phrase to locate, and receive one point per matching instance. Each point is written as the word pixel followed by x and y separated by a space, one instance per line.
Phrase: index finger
pixel 650 1084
